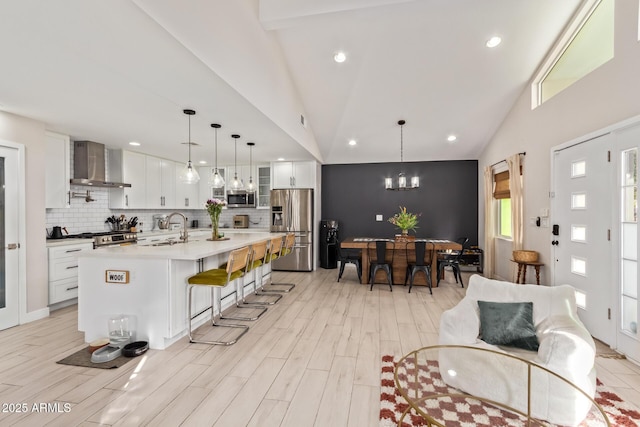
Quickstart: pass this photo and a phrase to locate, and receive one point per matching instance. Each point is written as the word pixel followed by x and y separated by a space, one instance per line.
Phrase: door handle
pixel 12 246
pixel 554 242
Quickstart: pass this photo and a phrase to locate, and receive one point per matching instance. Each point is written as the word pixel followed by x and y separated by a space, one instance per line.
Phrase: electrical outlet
pixel 379 218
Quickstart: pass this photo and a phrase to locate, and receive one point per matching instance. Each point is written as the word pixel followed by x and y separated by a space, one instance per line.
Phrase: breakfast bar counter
pixel 149 283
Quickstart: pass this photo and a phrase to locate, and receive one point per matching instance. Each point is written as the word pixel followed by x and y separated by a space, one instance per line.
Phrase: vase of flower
pixel 405 221
pixel 214 208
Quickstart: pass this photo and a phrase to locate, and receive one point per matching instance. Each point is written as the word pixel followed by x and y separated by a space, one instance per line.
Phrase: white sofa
pixel 566 348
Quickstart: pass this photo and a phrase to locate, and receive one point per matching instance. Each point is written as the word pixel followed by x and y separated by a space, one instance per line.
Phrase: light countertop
pixel 197 247
pixel 52 243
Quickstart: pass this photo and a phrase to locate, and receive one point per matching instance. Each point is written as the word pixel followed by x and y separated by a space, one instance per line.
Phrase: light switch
pixel 379 218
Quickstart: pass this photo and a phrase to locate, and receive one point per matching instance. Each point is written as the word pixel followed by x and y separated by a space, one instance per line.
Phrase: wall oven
pixel 240 199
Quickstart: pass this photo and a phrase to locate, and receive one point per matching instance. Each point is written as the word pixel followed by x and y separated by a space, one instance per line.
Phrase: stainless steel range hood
pixel 89 165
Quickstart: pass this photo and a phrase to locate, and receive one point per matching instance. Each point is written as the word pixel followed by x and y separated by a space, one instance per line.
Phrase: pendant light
pixel 236 184
pixel 402 179
pixel 216 180
pixel 251 187
pixel 189 175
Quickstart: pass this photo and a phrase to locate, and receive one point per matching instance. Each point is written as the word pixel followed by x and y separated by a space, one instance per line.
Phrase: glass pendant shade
pixel 388 183
pixel 216 180
pixel 402 181
pixel 237 183
pixel 188 174
pixel 251 187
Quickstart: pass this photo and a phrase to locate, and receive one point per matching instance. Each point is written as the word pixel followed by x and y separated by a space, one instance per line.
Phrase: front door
pixel 625 152
pixel 583 206
pixel 10 251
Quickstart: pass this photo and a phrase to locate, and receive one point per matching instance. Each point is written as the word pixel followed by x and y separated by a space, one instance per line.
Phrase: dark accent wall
pixel 447 198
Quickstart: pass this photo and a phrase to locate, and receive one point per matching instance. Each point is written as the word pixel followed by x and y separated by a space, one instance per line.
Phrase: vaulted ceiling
pixel 122 71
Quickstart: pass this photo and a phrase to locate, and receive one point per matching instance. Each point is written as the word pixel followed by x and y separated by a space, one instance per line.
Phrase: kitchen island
pixel 149 282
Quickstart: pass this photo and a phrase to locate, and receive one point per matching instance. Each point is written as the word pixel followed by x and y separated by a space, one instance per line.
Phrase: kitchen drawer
pixel 63 260
pixel 62 290
pixel 63 269
pixel 68 251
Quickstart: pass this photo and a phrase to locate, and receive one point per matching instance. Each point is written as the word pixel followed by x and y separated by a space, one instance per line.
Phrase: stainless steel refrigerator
pixel 292 211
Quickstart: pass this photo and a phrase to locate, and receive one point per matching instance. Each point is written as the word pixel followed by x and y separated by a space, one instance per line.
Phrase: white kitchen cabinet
pixel 263 182
pixel 293 174
pixel 129 167
pixel 186 195
pixel 63 271
pixel 57 170
pixel 160 183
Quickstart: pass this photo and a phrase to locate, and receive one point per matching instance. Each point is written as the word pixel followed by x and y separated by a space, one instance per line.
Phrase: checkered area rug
pixel 459 412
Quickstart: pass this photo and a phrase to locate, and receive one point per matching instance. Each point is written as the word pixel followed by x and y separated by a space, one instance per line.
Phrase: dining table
pixel 399 258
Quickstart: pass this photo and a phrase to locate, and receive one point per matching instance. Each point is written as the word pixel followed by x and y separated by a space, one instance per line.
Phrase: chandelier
pixel 402 179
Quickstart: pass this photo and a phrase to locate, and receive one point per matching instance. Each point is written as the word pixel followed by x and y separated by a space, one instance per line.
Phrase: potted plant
pixel 405 221
pixel 214 208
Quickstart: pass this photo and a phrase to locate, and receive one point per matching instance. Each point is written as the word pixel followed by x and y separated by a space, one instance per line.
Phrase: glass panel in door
pixel 3 240
pixel 629 241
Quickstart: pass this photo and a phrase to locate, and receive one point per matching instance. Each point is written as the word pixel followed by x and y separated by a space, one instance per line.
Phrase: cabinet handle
pixel 186 202
pixel 69 196
pixel 294 181
pixel 126 200
pixel 72 288
pixel 71 267
pixel 73 250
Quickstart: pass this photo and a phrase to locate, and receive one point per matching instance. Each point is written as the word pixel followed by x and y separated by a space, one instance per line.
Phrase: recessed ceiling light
pixel 134 143
pixel 203 162
pixel 340 57
pixel 493 41
pixel 280 159
pixel 452 138
pixel 352 142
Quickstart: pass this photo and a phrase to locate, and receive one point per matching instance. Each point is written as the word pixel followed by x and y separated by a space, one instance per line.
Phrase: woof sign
pixel 117 276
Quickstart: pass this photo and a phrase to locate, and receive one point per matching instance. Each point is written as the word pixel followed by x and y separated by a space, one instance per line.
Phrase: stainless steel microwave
pixel 240 199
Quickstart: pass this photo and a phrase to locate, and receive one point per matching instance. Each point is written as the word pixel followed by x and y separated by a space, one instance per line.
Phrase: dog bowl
pixel 135 348
pixel 94 345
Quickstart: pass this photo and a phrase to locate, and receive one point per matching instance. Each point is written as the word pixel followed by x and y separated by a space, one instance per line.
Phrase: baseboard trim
pixel 32 316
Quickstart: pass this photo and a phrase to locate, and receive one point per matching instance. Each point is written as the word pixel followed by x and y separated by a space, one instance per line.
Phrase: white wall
pixel 31 134
pixel 608 95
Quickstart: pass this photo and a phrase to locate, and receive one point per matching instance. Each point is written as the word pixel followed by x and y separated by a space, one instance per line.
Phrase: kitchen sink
pixel 170 242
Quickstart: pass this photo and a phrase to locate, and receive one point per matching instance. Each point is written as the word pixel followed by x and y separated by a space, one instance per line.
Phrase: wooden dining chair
pixel 381 258
pixel 419 254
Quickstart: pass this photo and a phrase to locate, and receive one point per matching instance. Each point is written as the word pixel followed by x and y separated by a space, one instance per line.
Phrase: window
pixel 503 195
pixel 585 46
pixel 504 217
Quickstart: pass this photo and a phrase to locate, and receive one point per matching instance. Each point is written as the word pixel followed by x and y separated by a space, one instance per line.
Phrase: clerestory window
pixel 586 45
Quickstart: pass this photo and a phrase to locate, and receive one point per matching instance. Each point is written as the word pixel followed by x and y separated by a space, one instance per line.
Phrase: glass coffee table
pixel 463 386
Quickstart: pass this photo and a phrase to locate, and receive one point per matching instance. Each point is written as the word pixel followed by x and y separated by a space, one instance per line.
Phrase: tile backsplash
pixel 83 216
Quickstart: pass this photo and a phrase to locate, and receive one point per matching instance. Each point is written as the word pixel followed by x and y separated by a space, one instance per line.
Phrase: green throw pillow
pixel 508 323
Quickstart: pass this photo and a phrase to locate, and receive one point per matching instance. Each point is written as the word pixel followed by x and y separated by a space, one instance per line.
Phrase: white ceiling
pixel 124 70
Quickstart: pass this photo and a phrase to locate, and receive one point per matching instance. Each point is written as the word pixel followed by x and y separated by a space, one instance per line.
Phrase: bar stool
pixel 259 253
pixel 286 249
pixel 216 279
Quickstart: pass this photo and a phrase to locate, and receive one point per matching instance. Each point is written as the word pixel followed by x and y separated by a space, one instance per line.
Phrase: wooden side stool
pixel 522 269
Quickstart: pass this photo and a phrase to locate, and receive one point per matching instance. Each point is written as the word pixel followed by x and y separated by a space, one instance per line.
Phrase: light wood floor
pixel 312 360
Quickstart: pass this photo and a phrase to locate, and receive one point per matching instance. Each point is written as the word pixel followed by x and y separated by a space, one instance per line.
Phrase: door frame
pixel 615 232
pixel 22 233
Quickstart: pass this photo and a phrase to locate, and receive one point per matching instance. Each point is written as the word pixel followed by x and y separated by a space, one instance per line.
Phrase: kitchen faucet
pixel 184 234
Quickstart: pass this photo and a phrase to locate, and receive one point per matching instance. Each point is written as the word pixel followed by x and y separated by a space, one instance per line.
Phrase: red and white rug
pixel 468 414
